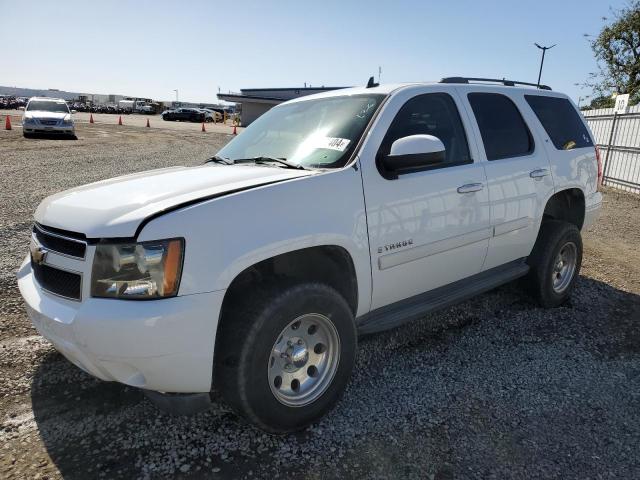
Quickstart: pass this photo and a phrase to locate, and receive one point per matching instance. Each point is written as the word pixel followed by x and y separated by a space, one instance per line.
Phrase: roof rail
pixel 508 83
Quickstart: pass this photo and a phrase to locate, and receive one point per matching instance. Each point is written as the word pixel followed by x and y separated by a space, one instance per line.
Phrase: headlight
pixel 29 120
pixel 142 270
pixel 67 120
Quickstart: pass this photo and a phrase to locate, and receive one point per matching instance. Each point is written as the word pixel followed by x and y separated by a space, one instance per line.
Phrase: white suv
pixel 332 215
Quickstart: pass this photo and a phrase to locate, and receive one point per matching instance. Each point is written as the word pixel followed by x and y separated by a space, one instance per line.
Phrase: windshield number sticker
pixel 333 143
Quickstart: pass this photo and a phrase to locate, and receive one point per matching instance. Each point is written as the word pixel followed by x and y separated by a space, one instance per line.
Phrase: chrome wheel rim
pixel 304 360
pixel 564 267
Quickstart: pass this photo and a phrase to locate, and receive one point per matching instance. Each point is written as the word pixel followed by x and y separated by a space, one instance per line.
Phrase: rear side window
pixel 503 130
pixel 561 121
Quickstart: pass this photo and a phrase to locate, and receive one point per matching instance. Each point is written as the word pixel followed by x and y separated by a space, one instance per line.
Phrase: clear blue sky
pixel 149 48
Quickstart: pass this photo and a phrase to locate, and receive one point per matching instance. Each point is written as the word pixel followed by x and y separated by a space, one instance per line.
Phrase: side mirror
pixel 74 111
pixel 21 108
pixel 413 152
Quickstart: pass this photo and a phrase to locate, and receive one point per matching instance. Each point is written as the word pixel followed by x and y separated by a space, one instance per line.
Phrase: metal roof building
pixel 256 101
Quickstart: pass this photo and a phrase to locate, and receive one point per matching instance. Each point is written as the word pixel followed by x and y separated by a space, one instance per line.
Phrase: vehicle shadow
pixel 96 429
pixel 49 136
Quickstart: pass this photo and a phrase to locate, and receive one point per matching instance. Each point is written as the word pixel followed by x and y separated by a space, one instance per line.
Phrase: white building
pixel 253 102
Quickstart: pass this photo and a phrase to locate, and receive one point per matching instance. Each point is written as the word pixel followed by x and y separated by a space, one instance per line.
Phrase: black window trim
pixel 426 168
pixel 532 140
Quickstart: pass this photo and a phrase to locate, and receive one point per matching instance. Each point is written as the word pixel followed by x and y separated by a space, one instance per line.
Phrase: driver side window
pixel 431 114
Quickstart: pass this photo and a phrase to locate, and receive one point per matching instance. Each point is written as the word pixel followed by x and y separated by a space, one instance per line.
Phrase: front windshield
pixel 318 133
pixel 46 106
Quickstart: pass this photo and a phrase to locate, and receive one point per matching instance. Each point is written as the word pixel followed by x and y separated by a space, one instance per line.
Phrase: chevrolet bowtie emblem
pixel 38 252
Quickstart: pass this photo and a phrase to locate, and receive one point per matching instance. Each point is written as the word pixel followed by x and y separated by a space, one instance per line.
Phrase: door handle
pixel 470 188
pixel 539 173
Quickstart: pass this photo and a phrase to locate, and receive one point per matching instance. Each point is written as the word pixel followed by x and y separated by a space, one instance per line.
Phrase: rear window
pixel 561 122
pixel 504 133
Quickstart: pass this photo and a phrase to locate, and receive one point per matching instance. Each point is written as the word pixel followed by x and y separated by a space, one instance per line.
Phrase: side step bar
pixel 391 316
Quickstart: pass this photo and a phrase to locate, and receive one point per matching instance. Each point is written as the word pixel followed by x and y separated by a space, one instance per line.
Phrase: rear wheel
pixel 554 263
pixel 284 357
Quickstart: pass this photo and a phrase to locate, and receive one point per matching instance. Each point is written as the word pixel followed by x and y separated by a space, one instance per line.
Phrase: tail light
pixel 600 173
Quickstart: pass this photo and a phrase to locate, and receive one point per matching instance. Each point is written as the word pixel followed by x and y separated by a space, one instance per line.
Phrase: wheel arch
pixel 329 264
pixel 567 205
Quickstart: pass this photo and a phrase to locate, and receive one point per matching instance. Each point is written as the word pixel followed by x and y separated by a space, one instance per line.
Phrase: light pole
pixel 544 50
pixel 177 102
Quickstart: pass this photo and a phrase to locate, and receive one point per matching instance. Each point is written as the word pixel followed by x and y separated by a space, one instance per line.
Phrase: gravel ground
pixel 492 388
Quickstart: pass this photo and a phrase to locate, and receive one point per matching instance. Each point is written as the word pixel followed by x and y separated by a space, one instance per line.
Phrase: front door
pixel 430 227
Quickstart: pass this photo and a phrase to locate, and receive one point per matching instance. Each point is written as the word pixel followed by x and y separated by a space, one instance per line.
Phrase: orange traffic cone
pixel 120 120
pixel 235 132
pixel 203 127
pixel 148 126
pixel 91 118
pixel 7 123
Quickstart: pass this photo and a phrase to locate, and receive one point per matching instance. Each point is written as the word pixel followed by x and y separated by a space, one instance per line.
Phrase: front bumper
pixel 59 128
pixel 163 345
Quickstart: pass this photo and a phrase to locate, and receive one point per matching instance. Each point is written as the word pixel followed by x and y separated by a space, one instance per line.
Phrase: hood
pixel 115 207
pixel 44 114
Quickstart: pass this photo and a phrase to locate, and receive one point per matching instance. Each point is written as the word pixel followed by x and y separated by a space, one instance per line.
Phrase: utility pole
pixel 177 102
pixel 544 50
pixel 379 74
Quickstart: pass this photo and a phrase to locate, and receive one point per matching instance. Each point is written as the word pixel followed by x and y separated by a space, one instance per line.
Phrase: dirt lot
pixel 492 388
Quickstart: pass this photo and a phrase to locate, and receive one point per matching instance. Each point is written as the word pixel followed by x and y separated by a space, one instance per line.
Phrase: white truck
pixel 332 215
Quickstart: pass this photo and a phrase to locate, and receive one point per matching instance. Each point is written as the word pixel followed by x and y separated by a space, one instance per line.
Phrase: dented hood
pixel 116 207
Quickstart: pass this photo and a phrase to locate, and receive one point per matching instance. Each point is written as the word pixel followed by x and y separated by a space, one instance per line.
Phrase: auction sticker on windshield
pixel 333 143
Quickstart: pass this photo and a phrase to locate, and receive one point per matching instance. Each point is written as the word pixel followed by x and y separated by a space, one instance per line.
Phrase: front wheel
pixel 554 263
pixel 284 357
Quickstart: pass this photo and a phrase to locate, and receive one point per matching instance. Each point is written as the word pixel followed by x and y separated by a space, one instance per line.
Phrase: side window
pixel 561 122
pixel 432 114
pixel 503 130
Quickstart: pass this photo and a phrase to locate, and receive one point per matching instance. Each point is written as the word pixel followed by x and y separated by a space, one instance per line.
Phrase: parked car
pixel 332 215
pixel 213 115
pixel 186 115
pixel 47 115
pixel 149 109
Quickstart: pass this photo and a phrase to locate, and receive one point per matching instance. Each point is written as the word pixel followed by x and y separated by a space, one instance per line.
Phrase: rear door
pixel 430 227
pixel 569 144
pixel 517 167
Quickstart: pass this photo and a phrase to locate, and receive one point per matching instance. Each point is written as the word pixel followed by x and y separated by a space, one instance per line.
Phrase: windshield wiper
pixel 219 159
pixel 266 159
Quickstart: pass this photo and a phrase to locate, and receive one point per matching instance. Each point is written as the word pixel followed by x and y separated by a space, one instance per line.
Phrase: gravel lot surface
pixel 492 388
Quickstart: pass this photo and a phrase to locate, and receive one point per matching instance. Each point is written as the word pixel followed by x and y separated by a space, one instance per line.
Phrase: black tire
pixel 553 236
pixel 250 327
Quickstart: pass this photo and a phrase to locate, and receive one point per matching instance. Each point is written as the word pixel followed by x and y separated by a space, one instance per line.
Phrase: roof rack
pixel 508 83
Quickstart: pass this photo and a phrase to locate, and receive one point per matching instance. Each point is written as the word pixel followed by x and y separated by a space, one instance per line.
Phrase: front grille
pixel 59 243
pixel 48 122
pixel 59 282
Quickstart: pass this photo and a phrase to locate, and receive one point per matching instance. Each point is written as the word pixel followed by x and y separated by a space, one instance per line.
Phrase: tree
pixel 617 51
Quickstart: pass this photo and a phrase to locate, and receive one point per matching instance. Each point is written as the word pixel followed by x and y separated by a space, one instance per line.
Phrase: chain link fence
pixel 618 136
